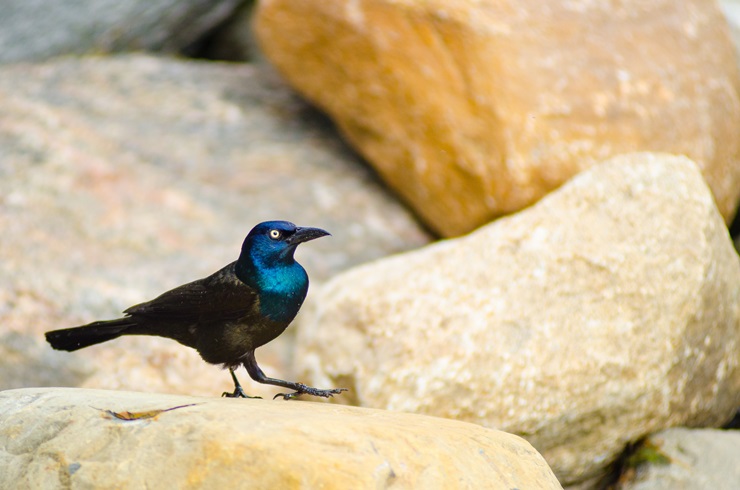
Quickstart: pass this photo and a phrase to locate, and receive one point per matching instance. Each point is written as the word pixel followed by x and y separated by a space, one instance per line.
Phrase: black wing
pixel 219 296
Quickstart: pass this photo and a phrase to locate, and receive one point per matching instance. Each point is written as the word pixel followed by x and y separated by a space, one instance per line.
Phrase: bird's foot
pixel 238 393
pixel 308 390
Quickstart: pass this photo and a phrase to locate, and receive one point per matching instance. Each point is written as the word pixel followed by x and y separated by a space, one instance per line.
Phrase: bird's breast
pixel 282 295
pixel 281 306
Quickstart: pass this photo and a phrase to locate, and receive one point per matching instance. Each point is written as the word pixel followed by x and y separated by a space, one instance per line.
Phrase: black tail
pixel 70 339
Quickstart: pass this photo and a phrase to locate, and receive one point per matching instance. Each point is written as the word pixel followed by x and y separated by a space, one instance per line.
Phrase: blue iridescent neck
pixel 280 281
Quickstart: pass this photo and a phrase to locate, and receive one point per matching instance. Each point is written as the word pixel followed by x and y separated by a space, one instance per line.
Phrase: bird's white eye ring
pixel 274 234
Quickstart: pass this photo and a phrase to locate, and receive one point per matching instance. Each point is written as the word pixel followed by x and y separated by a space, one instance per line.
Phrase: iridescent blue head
pixel 266 264
pixel 269 248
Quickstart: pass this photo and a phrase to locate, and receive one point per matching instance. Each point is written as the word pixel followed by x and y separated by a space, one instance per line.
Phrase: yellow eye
pixel 274 234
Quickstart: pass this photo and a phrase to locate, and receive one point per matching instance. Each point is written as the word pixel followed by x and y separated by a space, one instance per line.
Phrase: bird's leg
pixel 238 391
pixel 250 363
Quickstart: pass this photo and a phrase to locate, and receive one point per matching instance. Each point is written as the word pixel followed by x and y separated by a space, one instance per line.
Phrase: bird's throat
pixel 281 287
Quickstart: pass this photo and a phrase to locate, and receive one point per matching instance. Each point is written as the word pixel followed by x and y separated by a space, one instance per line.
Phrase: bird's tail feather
pixel 71 339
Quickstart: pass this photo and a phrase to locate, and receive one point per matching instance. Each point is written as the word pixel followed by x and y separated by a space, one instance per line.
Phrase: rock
pixel 34 30
pixel 731 9
pixel 97 439
pixel 685 458
pixel 121 178
pixel 473 109
pixel 607 311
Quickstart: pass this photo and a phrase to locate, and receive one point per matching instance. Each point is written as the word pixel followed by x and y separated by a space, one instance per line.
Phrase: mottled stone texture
pixel 55 438
pixel 123 177
pixel 472 109
pixel 607 311
pixel 34 30
pixel 686 459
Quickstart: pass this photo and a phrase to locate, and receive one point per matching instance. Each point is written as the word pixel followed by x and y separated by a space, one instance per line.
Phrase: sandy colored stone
pixel 607 311
pixel 686 459
pixel 472 109
pixel 53 438
pixel 123 177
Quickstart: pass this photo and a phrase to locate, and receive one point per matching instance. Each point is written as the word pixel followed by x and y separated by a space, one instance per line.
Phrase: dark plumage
pixel 227 315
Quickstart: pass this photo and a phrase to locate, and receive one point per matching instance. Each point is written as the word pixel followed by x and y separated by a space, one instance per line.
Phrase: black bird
pixel 227 315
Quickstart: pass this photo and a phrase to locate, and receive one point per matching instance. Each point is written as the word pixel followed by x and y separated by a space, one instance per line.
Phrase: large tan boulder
pixel 73 438
pixel 472 109
pixel 607 311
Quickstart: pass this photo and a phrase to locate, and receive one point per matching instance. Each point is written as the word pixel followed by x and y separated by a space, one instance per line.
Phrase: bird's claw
pixel 238 393
pixel 287 396
pixel 308 390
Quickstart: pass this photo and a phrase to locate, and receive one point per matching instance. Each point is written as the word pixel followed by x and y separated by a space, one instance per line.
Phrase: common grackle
pixel 227 315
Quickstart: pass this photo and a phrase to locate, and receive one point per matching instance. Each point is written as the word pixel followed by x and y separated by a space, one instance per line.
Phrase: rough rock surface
pixel 33 30
pixel 121 178
pixel 81 439
pixel 471 109
pixel 683 458
pixel 607 311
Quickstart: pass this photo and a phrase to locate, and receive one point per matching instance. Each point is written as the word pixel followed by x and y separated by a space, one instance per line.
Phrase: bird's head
pixel 274 242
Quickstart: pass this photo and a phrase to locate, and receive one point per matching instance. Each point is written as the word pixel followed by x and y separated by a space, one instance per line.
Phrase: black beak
pixel 305 234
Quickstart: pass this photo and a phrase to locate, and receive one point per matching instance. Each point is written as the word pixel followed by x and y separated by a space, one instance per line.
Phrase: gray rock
pixel 731 9
pixel 123 177
pixel 32 30
pixel 687 459
pixel 607 311
pixel 96 439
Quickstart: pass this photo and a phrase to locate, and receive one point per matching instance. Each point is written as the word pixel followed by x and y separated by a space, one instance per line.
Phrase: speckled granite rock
pixel 121 178
pixel 686 459
pixel 33 30
pixel 607 311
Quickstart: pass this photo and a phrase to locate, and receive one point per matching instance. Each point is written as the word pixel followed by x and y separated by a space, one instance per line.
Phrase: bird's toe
pixel 238 393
